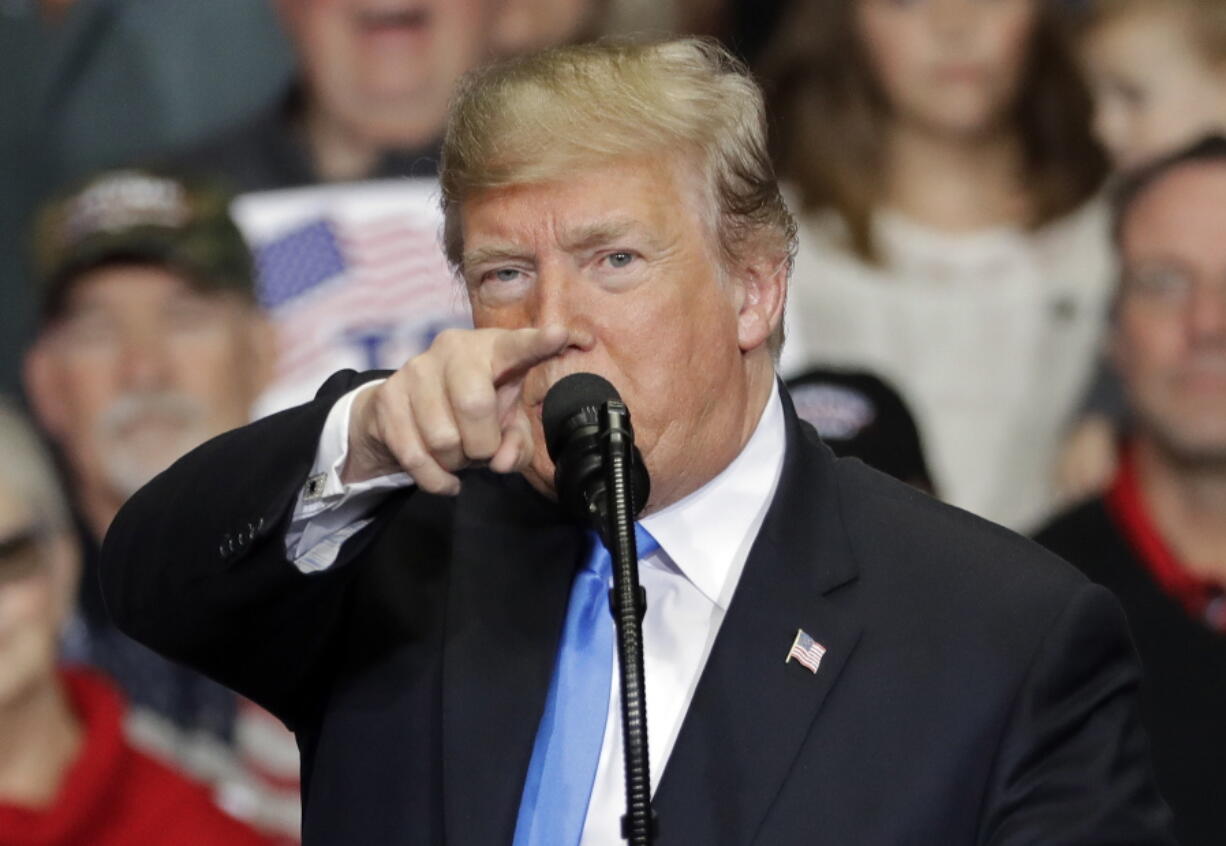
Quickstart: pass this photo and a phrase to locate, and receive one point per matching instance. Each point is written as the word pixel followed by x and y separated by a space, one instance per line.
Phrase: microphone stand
pixel 628 603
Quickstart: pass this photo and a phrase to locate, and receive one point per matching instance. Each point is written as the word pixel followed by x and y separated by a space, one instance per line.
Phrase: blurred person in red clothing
pixel 151 342
pixel 67 775
pixel 1157 538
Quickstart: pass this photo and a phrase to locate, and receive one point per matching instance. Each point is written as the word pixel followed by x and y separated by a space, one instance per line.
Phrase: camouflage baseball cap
pixel 140 216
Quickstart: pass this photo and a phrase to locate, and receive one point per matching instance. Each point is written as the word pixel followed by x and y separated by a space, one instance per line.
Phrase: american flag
pixel 807 651
pixel 328 282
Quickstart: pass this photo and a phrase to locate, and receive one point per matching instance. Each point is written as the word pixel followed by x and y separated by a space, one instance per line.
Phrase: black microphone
pixel 600 479
pixel 582 413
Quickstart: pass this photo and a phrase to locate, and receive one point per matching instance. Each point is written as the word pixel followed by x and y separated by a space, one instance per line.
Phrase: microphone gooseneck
pixel 600 480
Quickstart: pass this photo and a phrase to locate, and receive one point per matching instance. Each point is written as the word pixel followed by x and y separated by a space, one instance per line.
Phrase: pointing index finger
pixel 518 350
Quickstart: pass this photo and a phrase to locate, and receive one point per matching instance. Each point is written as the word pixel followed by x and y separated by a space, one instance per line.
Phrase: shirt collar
pixel 707 535
pixel 1201 599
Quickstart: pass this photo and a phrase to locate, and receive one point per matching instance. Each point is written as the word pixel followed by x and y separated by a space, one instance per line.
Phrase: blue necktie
pixel 568 740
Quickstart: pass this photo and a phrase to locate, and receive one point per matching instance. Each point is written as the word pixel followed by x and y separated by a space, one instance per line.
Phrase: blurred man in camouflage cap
pixel 150 341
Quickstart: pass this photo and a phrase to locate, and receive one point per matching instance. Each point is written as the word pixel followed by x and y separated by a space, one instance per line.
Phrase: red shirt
pixel 1202 599
pixel 113 795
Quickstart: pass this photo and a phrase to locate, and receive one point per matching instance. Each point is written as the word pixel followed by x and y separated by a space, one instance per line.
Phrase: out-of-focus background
pixel 1009 291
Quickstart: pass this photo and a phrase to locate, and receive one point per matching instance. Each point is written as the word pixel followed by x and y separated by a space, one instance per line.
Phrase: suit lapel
pixel 512 565
pixel 751 711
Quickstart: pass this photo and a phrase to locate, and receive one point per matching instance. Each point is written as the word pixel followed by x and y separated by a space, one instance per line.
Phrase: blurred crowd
pixel 1009 291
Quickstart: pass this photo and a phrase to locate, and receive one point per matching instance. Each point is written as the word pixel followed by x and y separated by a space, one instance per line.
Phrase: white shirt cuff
pixel 328 512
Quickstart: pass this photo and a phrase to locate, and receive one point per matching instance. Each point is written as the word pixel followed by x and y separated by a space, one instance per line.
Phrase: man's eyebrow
pixel 601 232
pixel 493 254
pixel 19 540
pixel 577 239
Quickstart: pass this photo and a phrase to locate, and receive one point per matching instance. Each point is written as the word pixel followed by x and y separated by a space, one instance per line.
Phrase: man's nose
pixel 144 359
pixel 555 295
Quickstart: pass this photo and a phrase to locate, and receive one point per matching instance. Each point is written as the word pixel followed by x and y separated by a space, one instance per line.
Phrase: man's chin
pixel 133 463
pixel 129 479
pixel 1196 450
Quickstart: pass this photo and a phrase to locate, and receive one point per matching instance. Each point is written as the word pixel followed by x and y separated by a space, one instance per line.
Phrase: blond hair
pixel 536 118
pixel 1205 19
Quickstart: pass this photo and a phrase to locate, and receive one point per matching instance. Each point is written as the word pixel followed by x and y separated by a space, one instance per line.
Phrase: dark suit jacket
pixel 975 689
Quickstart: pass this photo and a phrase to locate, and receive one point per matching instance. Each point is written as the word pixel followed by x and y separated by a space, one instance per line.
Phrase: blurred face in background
pixel 1154 89
pixel 140 367
pixel 948 66
pixel 386 68
pixel 37 583
pixel 1170 333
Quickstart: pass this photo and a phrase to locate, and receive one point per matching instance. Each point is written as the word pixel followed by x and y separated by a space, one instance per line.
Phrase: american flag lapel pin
pixel 807 651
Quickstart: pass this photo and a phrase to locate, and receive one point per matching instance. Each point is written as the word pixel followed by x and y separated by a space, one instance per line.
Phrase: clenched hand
pixel 454 405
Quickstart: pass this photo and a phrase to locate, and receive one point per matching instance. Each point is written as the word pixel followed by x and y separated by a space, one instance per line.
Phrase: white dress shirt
pixel 704 542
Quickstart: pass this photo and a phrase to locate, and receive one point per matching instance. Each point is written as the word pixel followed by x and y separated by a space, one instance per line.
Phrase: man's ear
pixel 261 344
pixel 41 380
pixel 763 283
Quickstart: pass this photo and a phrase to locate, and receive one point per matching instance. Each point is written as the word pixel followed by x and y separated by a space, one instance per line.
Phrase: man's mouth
pixel 151 427
pixel 543 377
pixel 397 19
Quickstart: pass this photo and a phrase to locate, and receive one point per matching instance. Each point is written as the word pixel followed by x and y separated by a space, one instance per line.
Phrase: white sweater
pixel 991 337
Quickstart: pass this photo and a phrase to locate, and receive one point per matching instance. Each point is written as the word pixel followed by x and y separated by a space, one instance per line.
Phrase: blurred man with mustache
pixel 150 342
pixel 1158 536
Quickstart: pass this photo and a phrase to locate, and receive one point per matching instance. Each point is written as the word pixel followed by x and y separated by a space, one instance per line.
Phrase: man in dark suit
pixel 830 656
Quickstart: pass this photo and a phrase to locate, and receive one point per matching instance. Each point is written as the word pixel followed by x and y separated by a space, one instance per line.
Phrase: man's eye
pixel 189 315
pixel 620 259
pixel 503 274
pixel 1126 92
pixel 1160 283
pixel 91 329
pixel 20 556
pixel 502 285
